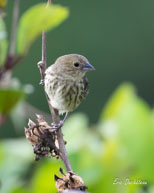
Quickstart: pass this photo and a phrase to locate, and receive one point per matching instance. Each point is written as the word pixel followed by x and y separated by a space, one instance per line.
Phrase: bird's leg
pixel 61 123
pixel 66 116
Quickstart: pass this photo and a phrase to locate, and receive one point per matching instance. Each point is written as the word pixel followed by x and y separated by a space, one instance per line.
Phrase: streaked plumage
pixel 65 82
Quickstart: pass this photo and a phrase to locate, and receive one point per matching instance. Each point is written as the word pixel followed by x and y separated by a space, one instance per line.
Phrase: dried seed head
pixel 40 118
pixel 43 123
pixel 69 181
pixel 32 138
pixel 74 180
pixel 60 184
pixel 73 191
pixel 31 124
pixel 43 138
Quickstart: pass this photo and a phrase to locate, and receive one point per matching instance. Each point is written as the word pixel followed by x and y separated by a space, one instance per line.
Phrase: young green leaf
pixel 129 119
pixel 42 181
pixel 8 99
pixel 3 41
pixel 120 97
pixel 3 3
pixel 15 158
pixel 37 19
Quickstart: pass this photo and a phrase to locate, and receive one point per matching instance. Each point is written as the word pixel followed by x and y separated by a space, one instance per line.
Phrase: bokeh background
pixel 116 37
pixel 117 117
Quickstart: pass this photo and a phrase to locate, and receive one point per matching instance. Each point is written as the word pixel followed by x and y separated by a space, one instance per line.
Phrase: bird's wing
pixel 86 87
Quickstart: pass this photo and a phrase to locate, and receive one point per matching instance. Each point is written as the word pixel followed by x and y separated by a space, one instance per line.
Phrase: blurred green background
pixel 116 37
pixel 116 118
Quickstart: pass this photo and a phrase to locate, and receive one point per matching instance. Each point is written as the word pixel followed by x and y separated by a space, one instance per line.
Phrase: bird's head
pixel 72 65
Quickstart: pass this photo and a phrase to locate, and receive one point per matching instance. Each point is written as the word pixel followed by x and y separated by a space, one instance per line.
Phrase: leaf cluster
pixel 119 146
pixel 32 22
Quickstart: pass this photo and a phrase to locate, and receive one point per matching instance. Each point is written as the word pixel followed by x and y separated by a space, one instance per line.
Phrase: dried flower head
pixel 69 181
pixel 73 191
pixel 43 138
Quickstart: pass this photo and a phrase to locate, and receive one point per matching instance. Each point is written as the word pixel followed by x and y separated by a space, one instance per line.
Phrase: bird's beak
pixel 87 67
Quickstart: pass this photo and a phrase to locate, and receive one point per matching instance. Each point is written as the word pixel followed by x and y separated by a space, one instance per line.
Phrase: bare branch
pixel 10 62
pixel 49 2
pixel 14 28
pixel 42 64
pixel 54 112
pixel 63 155
pixel 44 50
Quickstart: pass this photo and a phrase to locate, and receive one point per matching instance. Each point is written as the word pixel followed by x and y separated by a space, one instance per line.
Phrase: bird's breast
pixel 64 94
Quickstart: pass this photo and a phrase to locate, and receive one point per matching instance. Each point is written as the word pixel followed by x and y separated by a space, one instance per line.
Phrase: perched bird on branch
pixel 65 82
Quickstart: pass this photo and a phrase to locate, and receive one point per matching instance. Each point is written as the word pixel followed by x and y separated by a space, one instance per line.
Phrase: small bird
pixel 65 82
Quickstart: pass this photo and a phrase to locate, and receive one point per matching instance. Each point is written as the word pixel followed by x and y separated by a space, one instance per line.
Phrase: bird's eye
pixel 76 64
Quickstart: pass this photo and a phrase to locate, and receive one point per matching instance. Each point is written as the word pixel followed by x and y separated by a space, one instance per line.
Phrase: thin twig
pixel 10 63
pixel 63 155
pixel 49 2
pixel 14 28
pixel 42 64
pixel 54 112
pixel 44 50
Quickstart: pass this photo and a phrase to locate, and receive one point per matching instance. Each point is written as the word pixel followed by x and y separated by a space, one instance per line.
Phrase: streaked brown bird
pixel 65 82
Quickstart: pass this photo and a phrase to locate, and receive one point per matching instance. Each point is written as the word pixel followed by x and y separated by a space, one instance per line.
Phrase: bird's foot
pixel 58 125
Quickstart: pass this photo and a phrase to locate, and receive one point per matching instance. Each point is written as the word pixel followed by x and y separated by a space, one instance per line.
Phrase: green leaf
pixel 18 117
pixel 37 19
pixel 43 179
pixel 3 41
pixel 3 3
pixel 20 190
pixel 78 124
pixel 15 158
pixel 8 99
pixel 122 96
pixel 129 121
